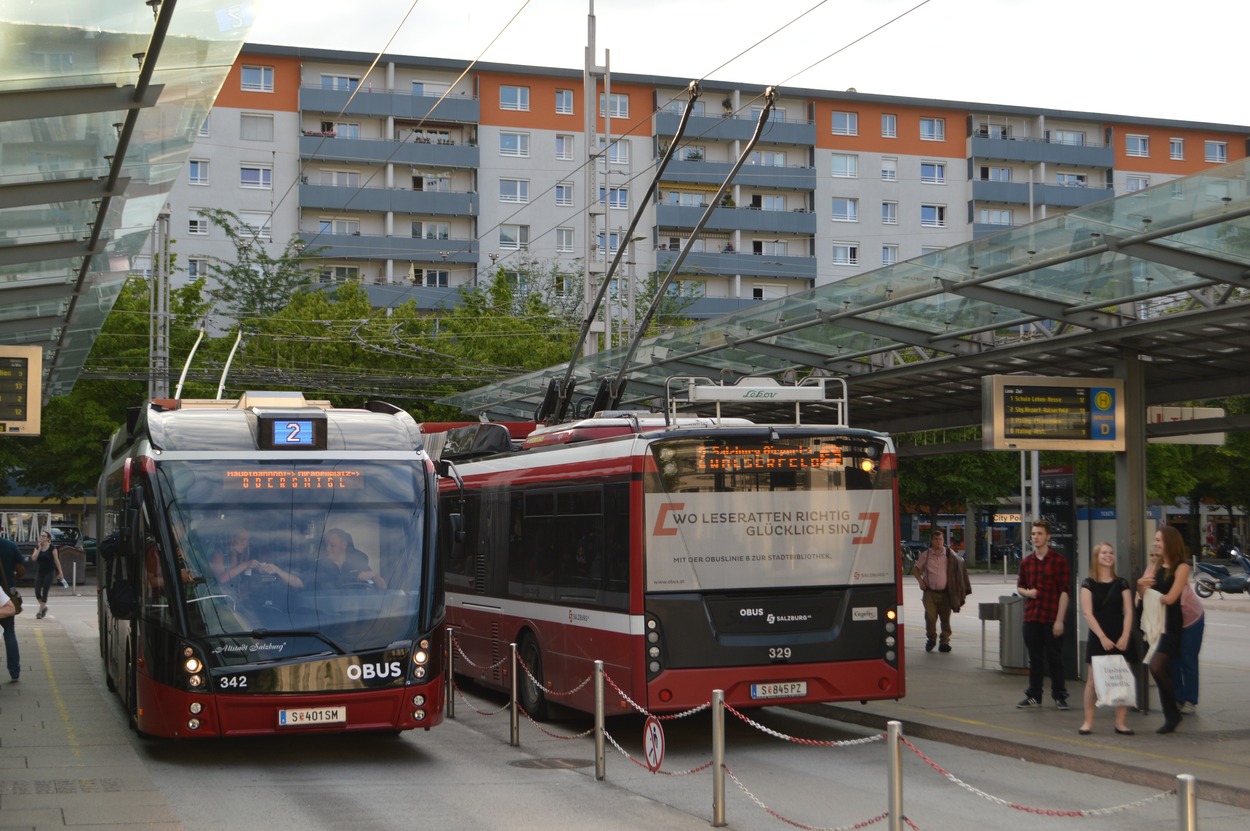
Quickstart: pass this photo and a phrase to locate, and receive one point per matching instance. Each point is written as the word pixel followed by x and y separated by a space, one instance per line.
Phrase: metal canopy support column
pixel 1130 471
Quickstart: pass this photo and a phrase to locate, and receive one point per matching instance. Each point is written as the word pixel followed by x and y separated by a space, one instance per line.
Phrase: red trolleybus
pixel 687 553
pixel 271 568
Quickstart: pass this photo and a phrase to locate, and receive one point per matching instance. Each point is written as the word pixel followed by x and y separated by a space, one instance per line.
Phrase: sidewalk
pixel 951 698
pixel 65 754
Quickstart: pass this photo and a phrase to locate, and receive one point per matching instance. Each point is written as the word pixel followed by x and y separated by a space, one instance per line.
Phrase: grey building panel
pixel 453 108
pixel 1017 193
pixel 721 128
pixel 366 246
pixel 427 203
pixel 379 151
pixel 748 265
pixel 738 219
pixel 1033 151
pixel 751 175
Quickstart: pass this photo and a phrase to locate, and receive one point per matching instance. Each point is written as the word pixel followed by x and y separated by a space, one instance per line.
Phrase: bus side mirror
pixel 457 533
pixel 132 517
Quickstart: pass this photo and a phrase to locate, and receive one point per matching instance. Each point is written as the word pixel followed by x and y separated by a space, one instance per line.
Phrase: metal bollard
pixel 718 758
pixel 600 759
pixel 1186 802
pixel 450 691
pixel 894 774
pixel 515 740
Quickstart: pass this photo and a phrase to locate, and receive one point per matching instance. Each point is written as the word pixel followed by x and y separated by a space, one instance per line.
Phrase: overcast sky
pixel 1155 58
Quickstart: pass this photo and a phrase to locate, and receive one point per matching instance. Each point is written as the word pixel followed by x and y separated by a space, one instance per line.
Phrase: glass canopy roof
pixel 99 105
pixel 1161 272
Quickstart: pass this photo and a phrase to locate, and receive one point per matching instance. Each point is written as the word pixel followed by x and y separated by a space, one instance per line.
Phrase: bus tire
pixel 533 700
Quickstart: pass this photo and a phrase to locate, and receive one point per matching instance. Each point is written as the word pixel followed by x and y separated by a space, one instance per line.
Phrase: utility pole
pixel 158 311
pixel 593 269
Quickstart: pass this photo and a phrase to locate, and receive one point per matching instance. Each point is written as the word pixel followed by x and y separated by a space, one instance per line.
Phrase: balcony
pixel 748 265
pixel 408 249
pixel 380 200
pixel 1033 151
pixel 751 175
pixel 719 128
pixel 797 222
pixel 1060 196
pixel 379 151
pixel 454 108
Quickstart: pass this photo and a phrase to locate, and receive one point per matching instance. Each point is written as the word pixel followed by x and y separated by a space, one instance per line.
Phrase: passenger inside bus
pixel 250 574
pixel 342 564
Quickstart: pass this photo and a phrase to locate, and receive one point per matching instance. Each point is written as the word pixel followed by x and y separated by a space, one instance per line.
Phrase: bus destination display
pixel 310 480
pixel 738 457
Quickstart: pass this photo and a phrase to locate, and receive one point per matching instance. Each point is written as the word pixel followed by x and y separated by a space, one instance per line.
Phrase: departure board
pixel 1038 413
pixel 21 389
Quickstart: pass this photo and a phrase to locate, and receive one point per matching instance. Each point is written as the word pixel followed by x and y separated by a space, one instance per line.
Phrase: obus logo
pixel 369 672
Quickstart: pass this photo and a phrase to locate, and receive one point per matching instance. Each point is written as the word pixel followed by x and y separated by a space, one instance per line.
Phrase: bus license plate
pixel 310 716
pixel 783 689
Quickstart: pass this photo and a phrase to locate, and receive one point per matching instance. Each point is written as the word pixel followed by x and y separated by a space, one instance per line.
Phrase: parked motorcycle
pixel 1210 578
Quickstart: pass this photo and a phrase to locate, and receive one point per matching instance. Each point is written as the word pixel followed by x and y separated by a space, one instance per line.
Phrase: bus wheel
pixel 529 688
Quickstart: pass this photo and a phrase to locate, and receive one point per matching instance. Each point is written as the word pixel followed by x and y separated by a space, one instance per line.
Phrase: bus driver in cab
pixel 341 563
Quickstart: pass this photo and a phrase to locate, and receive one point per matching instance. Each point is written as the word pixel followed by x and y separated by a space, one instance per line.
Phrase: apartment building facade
pixel 419 178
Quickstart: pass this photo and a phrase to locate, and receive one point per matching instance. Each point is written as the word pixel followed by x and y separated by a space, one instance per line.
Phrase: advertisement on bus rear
pixel 718 541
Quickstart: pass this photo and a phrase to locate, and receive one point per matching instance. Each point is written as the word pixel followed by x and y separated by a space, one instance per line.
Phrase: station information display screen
pixel 21 389
pixel 1023 412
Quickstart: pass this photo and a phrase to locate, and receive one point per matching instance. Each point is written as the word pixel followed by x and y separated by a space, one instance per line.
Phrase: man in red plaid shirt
pixel 1044 585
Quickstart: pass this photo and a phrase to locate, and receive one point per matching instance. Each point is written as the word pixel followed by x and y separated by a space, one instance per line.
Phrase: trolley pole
pixel 449 692
pixel 1186 803
pixel 894 775
pixel 515 720
pixel 718 758
pixel 600 757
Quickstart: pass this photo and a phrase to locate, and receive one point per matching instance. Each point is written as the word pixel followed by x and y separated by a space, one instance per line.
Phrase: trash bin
pixel 1011 651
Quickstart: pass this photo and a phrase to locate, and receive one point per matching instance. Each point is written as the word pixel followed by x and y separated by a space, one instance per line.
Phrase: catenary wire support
pixel 449 687
pixel 718 758
pixel 514 720
pixel 600 756
pixel 894 776
pixel 1186 802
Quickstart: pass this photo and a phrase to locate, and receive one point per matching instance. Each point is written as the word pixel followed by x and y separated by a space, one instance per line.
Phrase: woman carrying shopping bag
pixel 1107 603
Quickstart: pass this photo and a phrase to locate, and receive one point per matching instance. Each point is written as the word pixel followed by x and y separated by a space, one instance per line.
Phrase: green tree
pixel 255 284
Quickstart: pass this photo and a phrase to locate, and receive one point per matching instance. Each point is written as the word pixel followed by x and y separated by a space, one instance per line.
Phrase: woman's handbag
pixel 12 592
pixel 1113 681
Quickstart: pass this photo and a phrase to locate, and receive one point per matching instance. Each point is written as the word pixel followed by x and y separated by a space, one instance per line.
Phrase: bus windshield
pixel 330 550
pixel 749 511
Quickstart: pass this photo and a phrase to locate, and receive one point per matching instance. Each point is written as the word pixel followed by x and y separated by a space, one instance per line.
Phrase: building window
pixel 845 124
pixel 774 247
pixel 769 158
pixel 1071 180
pixel 889 169
pixel 688 199
pixel 889 254
pixel 933 129
pixel 564 148
pixel 255 127
pixel 514 237
pixel 995 216
pixel 614 239
pixel 845 210
pixel 564 102
pixel 256 222
pixel 256 176
pixel 933 216
pixel 431 230
pixel 432 278
pixel 197 172
pixel 197 267
pixel 340 274
pixel 1137 145
pixel 1176 149
pixel 256 78
pixel 845 166
pixel 1133 183
pixel 693 153
pixel 617 197
pixel 564 240
pixel 996 174
pixel 1075 138
pixel 347 130
pixel 1215 151
pixel 344 83
pixel 933 173
pixel 845 253
pixel 994 131
pixel 514 190
pixel 564 194
pixel 203 133
pixel 619 105
pixel 769 203
pixel 514 144
pixel 341 178
pixel 514 98
pixel 197 226
pixel 339 226
pixel 889 213
pixel 889 125
pixel 618 151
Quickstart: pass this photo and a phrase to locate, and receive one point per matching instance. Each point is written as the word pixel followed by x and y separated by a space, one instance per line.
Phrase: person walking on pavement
pixel 1169 578
pixel 1044 585
pixel 1107 603
pixel 931 572
pixel 1185 668
pixel 10 560
pixel 47 560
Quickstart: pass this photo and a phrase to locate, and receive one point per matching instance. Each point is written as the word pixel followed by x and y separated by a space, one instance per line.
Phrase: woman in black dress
pixel 1168 578
pixel 1107 603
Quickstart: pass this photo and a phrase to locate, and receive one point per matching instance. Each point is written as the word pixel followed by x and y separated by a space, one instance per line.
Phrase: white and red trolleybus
pixel 687 553
pixel 272 568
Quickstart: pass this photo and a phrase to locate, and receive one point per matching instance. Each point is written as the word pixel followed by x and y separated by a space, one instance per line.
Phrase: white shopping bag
pixel 1113 681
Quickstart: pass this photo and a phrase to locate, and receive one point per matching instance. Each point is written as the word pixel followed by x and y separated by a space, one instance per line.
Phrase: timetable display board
pixel 1040 413
pixel 21 389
